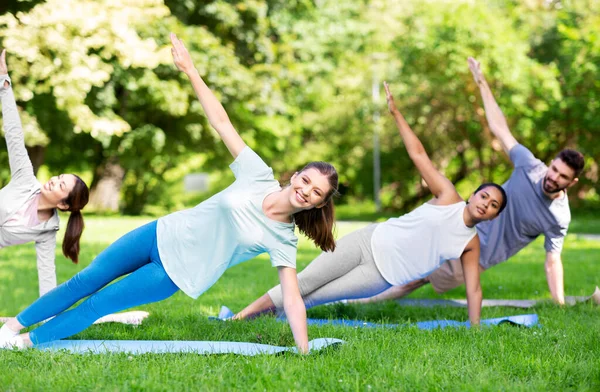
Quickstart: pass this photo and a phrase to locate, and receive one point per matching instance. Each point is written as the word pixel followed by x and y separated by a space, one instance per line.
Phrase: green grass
pixel 561 355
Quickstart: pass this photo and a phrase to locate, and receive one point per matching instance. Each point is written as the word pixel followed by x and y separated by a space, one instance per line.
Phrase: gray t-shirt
pixel 529 213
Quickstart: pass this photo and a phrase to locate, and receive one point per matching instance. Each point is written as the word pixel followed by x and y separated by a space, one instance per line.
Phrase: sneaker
pixel 6 333
pixel 14 343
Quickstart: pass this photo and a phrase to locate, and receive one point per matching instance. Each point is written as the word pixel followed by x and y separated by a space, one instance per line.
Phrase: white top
pixel 27 216
pixel 22 189
pixel 414 245
pixel 196 246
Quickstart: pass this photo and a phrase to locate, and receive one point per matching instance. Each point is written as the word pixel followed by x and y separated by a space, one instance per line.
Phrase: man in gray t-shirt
pixel 537 204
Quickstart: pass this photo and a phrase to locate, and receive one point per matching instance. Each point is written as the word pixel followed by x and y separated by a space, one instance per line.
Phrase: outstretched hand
pixel 3 67
pixel 475 68
pixel 181 56
pixel 390 99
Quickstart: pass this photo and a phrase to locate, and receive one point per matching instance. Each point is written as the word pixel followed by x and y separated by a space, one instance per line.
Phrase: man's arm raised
pixel 493 113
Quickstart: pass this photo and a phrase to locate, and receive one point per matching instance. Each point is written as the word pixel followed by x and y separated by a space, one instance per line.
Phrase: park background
pixel 99 96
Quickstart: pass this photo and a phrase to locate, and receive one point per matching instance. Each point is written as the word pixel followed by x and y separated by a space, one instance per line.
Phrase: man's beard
pixel 555 189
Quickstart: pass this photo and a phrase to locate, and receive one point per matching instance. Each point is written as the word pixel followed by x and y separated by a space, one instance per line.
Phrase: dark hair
pixel 317 223
pixel 502 191
pixel 573 159
pixel 76 200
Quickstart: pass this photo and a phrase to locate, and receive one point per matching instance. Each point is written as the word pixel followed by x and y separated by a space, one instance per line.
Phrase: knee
pixel 308 303
pixel 302 287
pixel 79 284
pixel 89 309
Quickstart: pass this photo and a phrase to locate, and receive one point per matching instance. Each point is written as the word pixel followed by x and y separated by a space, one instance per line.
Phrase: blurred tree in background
pixel 98 93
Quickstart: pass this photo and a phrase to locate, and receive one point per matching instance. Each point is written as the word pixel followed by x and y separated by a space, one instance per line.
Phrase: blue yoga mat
pixel 176 346
pixel 525 320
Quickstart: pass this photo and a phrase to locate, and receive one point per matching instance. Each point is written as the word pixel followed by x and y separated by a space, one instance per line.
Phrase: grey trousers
pixel 349 272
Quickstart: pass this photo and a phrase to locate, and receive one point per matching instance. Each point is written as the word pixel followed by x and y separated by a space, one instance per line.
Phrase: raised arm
pixel 212 107
pixel 439 185
pixel 470 265
pixel 493 113
pixel 18 158
pixel 294 308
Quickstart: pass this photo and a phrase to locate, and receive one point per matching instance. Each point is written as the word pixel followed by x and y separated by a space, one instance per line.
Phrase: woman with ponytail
pixel 371 260
pixel 189 250
pixel 28 208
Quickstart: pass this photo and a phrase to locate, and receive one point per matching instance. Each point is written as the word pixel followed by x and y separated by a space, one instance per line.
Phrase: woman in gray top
pixel 28 208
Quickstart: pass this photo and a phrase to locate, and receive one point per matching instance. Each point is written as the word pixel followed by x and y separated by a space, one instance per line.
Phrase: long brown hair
pixel 76 200
pixel 317 223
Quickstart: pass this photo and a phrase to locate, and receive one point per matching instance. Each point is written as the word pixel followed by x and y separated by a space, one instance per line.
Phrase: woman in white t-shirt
pixel 189 250
pixel 28 208
pixel 371 260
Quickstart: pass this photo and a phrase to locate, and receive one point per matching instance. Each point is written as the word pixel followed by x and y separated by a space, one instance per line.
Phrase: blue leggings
pixel 135 254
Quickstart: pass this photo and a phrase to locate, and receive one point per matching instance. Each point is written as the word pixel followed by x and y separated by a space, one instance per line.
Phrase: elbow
pixel 417 153
pixel 220 122
pixel 293 305
pixel 552 261
pixel 475 292
pixel 293 302
pixel 499 128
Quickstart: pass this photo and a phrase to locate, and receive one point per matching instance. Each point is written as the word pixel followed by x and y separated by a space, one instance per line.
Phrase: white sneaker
pixel 6 333
pixel 14 343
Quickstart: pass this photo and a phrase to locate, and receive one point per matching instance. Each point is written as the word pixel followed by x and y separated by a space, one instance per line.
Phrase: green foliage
pixel 95 84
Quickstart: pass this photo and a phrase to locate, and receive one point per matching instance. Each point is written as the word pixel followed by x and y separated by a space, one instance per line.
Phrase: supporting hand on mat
pixel 294 307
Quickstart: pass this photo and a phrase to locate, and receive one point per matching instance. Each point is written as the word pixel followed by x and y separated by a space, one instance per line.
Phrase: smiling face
pixel 559 177
pixel 58 188
pixel 485 204
pixel 309 189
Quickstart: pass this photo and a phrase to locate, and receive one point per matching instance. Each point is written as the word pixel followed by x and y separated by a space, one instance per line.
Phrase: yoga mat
pixel 513 303
pixel 525 320
pixel 176 346
pixel 135 317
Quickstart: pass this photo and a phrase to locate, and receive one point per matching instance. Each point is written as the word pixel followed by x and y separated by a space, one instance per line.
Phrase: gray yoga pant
pixel 349 272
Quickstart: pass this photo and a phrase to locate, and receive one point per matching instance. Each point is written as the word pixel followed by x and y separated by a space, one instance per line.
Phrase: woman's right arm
pixel 217 116
pixel 18 158
pixel 439 185
pixel 470 266
pixel 294 307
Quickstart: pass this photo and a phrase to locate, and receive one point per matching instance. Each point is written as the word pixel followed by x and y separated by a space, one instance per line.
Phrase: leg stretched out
pixel 347 272
pixel 135 254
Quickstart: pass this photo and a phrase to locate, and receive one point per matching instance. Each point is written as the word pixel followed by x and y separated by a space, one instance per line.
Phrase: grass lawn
pixel 564 354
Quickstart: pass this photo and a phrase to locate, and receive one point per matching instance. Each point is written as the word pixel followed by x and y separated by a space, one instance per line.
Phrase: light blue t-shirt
pixel 197 245
pixel 529 213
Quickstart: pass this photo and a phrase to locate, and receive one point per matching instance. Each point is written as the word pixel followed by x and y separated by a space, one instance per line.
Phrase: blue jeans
pixel 135 254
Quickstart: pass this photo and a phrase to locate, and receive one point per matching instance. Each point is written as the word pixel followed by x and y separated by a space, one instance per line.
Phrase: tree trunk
pixel 106 186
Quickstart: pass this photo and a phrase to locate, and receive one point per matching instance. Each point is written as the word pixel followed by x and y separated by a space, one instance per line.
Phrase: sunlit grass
pixel 562 354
